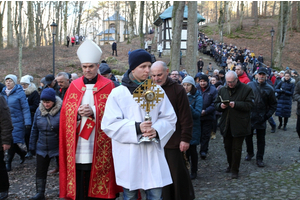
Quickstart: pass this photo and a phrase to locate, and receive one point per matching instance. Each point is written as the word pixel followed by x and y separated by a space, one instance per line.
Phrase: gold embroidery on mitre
pixel 70 142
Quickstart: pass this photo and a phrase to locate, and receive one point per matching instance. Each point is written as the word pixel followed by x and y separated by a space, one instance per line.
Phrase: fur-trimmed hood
pixel 291 80
pixel 31 88
pixel 54 110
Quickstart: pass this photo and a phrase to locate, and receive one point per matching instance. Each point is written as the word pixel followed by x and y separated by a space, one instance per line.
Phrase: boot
pixel 284 127
pixel 213 136
pixel 40 189
pixel 8 161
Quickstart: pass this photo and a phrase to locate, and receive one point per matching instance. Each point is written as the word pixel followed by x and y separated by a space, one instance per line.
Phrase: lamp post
pixel 53 30
pixel 272 34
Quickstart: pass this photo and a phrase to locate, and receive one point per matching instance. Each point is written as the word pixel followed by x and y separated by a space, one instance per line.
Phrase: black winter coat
pixel 6 126
pixel 237 119
pixel 265 104
pixel 33 99
pixel 297 97
pixel 209 95
pixel 285 91
pixel 44 137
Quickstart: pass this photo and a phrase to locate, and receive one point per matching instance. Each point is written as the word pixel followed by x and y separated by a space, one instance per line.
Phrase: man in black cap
pixel 105 71
pixel 51 82
pixel 265 105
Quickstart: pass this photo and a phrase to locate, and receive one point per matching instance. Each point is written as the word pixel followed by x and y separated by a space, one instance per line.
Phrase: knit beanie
pixel 189 79
pixel 138 57
pixel 104 69
pixel 14 78
pixel 25 79
pixel 203 77
pixel 48 94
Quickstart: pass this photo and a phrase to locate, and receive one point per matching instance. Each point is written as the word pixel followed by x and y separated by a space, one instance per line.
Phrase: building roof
pixel 107 31
pixel 167 14
pixel 114 18
pixel 107 39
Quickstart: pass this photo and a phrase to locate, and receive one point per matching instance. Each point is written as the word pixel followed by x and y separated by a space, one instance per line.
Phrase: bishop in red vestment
pixel 85 157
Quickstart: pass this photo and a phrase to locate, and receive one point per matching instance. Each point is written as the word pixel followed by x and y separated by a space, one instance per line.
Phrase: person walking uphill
pixel 114 48
pixel 20 117
pixel 6 129
pixel 138 165
pixel 44 137
pixel 235 101
pixel 285 91
pixel 196 103
pixel 86 167
pixel 265 104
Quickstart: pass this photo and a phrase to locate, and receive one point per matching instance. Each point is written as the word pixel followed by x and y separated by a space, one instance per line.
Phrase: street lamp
pixel 272 34
pixel 53 30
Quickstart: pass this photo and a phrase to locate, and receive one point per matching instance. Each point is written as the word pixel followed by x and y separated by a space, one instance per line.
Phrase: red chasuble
pixel 102 181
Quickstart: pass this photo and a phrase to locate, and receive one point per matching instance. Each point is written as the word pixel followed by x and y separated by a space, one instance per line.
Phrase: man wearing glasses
pixel 235 101
pixel 175 76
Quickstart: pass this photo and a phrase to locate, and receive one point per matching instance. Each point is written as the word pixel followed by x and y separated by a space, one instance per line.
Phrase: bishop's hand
pixel 85 110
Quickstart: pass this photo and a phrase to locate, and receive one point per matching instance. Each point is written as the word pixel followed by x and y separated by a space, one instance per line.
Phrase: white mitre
pixel 89 52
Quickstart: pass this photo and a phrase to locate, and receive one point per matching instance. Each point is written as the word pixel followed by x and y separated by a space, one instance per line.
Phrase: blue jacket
pixel 196 103
pixel 209 95
pixel 285 91
pixel 44 138
pixel 20 112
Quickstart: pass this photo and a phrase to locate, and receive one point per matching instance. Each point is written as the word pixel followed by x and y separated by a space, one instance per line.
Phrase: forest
pixel 26 24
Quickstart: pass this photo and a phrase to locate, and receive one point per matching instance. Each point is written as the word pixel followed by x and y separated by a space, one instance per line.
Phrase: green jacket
pixel 237 118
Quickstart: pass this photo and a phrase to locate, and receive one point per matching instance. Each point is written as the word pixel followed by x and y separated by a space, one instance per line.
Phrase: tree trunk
pixel 141 34
pixel 237 9
pixel 294 15
pixel 227 11
pixel 117 27
pixel 273 10
pixel 221 22
pixel 132 5
pixel 177 19
pixel 65 22
pixel 1 23
pixel 282 33
pixel 20 38
pixel 9 26
pixel 154 42
pixel 255 14
pixel 298 16
pixel 30 24
pixel 75 14
pixel 16 22
pixel 191 53
pixel 58 5
pixel 61 23
pixel 241 16
pixel 37 23
pixel 216 8
pixel 266 6
pixel 79 16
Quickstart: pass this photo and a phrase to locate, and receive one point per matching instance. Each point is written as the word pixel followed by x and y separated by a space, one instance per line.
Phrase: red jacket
pixel 244 78
pixel 73 39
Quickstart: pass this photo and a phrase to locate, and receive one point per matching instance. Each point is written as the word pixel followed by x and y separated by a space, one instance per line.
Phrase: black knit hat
pixel 203 77
pixel 48 94
pixel 104 69
pixel 138 57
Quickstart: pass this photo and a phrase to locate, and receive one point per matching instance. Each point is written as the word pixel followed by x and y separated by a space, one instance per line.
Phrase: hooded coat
pixel 33 98
pixel 285 91
pixel 20 112
pixel 44 136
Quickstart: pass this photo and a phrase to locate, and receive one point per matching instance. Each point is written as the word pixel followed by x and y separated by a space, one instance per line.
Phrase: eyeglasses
pixel 174 74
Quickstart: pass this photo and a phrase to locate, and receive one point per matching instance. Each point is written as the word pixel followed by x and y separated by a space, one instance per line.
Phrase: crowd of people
pixel 92 125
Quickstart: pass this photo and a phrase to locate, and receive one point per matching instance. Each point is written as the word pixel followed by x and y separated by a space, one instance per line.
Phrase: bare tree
pixel 79 16
pixel 117 24
pixel 298 16
pixel 294 15
pixel 9 26
pixel 141 34
pixel 273 10
pixel 20 45
pixel 221 22
pixel 266 6
pixel 255 13
pixel 37 23
pixel 65 21
pixel 177 19
pixel 30 24
pixel 191 53
pixel 216 8
pixel 57 20
pixel 227 12
pixel 282 33
pixel 1 22
pixel 241 16
pixel 237 9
